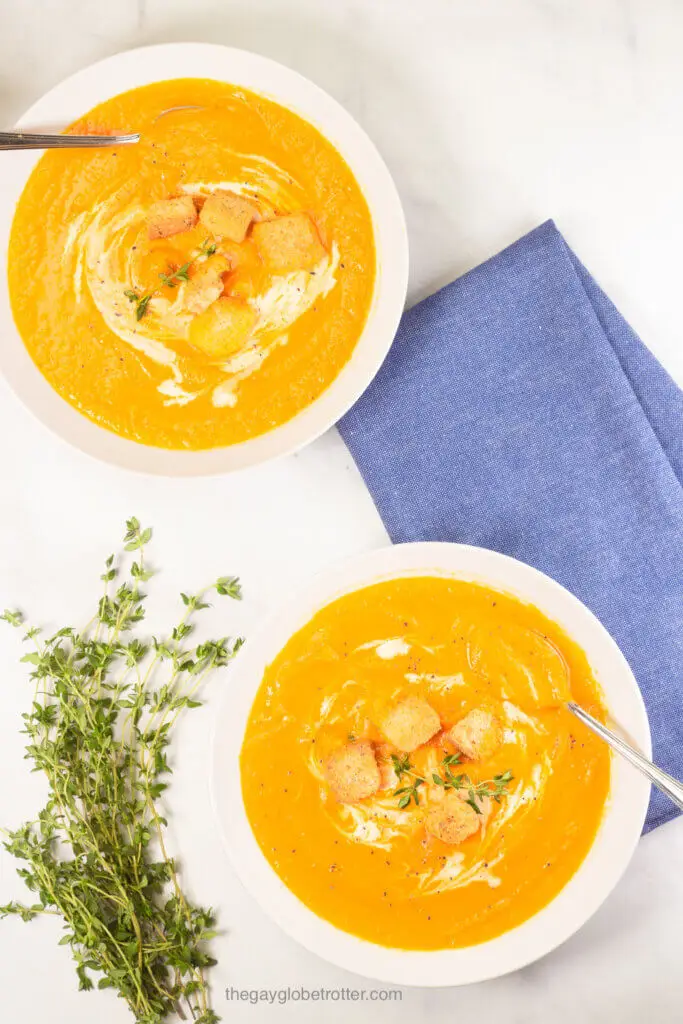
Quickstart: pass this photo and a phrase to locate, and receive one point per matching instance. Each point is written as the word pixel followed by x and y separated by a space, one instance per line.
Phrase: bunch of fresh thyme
pixel 494 788
pixel 104 708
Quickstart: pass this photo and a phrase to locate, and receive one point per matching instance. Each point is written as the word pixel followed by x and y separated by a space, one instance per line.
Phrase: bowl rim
pixel 580 898
pixel 140 66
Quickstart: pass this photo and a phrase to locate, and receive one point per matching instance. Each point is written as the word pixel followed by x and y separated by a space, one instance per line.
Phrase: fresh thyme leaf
pixel 141 307
pixel 408 793
pixel 472 797
pixel 472 801
pixel 141 302
pixel 229 586
pixel 402 765
pixel 96 855
pixel 134 536
pixel 451 759
pixel 138 572
pixel 110 572
pixel 403 768
pixel 181 274
pixel 14 618
pixel 132 528
pixel 207 247
pixel 194 601
pixel 500 784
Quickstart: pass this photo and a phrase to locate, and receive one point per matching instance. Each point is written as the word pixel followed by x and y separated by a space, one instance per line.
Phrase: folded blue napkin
pixel 518 411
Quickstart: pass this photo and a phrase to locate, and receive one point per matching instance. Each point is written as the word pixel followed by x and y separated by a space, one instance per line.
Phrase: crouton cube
pixel 478 735
pixel 410 723
pixel 206 284
pixel 170 217
pixel 451 820
pixel 352 772
pixel 289 243
pixel 227 215
pixel 387 776
pixel 222 329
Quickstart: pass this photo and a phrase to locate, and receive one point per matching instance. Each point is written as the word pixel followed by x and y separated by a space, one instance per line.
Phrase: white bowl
pixel 613 846
pixel 84 90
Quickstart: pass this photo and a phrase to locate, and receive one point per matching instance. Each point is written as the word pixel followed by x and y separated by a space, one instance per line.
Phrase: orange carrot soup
pixel 203 286
pixel 410 771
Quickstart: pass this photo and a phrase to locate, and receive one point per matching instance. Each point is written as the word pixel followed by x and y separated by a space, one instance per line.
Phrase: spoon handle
pixel 31 140
pixel 670 786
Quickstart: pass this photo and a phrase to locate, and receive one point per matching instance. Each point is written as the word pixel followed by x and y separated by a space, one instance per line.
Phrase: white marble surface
pixel 492 117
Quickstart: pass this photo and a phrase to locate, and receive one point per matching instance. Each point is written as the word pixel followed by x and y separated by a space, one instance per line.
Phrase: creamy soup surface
pixel 409 769
pixel 203 286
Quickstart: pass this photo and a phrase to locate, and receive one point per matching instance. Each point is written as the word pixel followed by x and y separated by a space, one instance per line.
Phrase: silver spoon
pixel 670 786
pixel 32 140
pixel 55 140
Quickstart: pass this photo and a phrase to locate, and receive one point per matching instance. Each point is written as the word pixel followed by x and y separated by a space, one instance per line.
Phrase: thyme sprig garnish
pixel 403 768
pixel 477 792
pixel 449 780
pixel 171 279
pixel 141 302
pixel 103 711
pixel 402 765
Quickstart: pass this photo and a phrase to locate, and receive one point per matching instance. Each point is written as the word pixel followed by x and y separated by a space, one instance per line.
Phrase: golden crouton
pixel 352 772
pixel 206 284
pixel 170 217
pixel 387 775
pixel 222 329
pixel 410 723
pixel 289 243
pixel 478 735
pixel 451 820
pixel 227 215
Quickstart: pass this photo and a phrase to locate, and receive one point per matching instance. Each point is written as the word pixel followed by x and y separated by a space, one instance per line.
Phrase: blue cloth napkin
pixel 518 411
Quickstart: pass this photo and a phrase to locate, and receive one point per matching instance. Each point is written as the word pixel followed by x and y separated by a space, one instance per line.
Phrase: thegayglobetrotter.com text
pixel 301 994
